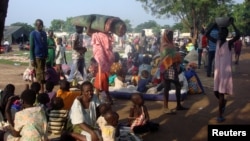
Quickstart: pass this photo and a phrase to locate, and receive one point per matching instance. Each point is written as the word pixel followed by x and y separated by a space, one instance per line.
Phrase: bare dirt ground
pixel 190 125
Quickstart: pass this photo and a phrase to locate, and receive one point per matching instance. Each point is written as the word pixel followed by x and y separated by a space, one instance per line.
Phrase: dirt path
pixel 188 125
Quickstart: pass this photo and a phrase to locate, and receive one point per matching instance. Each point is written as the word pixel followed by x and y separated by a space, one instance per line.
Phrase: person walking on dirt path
pixel 39 51
pixel 237 50
pixel 223 81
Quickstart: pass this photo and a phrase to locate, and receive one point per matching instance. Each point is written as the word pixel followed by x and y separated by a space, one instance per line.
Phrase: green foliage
pixel 26 26
pixel 68 26
pixel 178 26
pixel 156 29
pixel 146 25
pixel 57 24
pixel 191 13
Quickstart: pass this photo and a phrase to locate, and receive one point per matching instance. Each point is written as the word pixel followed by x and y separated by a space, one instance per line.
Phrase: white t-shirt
pixel 80 115
pixel 60 50
pixel 118 83
pixel 101 121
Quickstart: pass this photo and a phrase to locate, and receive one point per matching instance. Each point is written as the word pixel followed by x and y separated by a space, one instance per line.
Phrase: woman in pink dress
pixel 223 82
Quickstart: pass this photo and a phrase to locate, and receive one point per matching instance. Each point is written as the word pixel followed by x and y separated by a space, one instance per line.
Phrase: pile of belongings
pixel 100 23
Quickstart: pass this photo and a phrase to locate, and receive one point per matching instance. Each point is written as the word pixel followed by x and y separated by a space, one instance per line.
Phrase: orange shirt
pixel 68 97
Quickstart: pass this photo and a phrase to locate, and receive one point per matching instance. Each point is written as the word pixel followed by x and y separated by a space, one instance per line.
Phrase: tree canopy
pixel 149 24
pixel 192 13
pixel 57 24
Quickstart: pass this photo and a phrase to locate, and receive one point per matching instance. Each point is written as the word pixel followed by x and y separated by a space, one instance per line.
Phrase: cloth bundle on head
pixel 169 55
pixel 101 23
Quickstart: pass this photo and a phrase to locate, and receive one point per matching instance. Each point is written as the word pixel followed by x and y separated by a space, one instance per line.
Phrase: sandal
pixel 220 119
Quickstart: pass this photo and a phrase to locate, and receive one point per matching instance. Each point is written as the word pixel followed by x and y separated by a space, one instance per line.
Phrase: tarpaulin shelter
pixel 15 34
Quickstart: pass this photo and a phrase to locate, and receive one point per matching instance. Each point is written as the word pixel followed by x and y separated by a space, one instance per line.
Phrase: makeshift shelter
pixel 15 34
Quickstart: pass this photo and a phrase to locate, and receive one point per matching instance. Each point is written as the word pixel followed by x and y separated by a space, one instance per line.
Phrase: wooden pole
pixel 3 14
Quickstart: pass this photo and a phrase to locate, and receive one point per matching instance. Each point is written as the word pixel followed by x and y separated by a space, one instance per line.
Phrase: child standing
pixel 223 81
pixel 139 118
pixel 49 86
pixel 60 57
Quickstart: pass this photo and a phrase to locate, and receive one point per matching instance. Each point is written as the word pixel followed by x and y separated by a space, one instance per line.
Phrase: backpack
pixel 204 41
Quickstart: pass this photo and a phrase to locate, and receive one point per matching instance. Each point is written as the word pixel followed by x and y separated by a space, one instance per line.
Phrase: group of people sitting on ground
pixel 76 115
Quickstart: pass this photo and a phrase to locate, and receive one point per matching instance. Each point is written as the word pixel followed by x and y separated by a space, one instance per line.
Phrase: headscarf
pixel 169 55
pixel 167 44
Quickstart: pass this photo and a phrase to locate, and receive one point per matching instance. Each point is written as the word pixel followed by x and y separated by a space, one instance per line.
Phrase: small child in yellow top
pixel 109 130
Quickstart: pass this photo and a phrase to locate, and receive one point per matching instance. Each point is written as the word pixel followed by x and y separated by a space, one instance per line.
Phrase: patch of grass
pixel 11 62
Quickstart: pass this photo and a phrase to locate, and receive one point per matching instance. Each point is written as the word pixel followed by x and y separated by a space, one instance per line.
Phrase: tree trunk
pixel 3 14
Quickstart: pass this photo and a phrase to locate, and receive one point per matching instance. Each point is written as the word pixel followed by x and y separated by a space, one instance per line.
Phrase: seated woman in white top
pixel 83 113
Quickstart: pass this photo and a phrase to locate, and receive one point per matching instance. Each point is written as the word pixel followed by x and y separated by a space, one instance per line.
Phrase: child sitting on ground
pixel 49 86
pixel 51 74
pixel 103 108
pixel 92 70
pixel 139 120
pixel 57 116
pixel 144 82
pixel 36 87
pixel 116 66
pixel 109 130
pixel 119 80
pixel 67 95
pixel 43 100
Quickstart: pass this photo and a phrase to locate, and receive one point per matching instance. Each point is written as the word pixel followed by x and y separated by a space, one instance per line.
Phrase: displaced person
pixel 30 123
pixel 170 68
pixel 78 51
pixel 139 118
pixel 83 113
pixel 67 95
pixel 223 81
pixel 237 50
pixel 39 52
pixel 213 34
pixel 60 57
pixel 51 48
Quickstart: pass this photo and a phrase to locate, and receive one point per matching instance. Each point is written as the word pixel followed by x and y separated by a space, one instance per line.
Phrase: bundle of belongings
pixel 101 23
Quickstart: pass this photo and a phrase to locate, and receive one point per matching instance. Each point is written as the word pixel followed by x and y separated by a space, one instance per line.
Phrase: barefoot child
pixel 139 117
pixel 223 81
pixel 60 57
